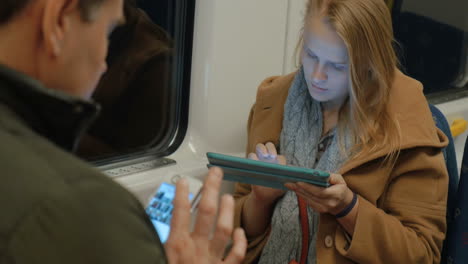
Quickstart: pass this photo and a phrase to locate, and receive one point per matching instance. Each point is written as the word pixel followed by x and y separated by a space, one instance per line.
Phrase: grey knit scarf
pixel 302 130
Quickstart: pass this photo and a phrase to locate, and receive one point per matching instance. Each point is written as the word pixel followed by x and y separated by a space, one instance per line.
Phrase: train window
pixel 144 93
pixel 433 44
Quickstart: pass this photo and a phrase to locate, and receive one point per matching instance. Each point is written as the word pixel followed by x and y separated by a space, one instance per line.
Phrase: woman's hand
pixel 259 205
pixel 330 200
pixel 266 153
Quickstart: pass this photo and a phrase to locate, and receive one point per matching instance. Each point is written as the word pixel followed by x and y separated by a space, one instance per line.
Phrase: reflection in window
pixel 141 99
pixel 433 35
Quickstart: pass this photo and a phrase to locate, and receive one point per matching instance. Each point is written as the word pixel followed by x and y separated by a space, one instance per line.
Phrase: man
pixel 56 208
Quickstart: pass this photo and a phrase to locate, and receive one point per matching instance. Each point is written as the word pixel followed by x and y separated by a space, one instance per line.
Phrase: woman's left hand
pixel 330 200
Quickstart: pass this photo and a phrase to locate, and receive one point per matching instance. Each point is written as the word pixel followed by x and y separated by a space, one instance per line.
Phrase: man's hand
pixel 200 246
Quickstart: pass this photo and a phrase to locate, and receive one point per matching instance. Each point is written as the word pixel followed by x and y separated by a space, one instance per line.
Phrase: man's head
pixel 11 7
pixel 62 43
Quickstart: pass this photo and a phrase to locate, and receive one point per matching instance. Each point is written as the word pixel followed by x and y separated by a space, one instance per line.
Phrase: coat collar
pixel 55 115
pixel 406 101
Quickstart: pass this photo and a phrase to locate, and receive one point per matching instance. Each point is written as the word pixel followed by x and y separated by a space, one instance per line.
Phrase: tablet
pixel 263 173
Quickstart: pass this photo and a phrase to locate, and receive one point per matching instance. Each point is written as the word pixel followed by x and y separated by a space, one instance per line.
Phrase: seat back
pixel 456 242
pixel 451 163
pixel 449 156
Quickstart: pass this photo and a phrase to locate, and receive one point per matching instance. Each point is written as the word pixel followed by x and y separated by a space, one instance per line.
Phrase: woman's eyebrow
pixel 315 53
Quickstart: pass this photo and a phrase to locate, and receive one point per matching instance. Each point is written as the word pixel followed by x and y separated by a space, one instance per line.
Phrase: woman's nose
pixel 319 75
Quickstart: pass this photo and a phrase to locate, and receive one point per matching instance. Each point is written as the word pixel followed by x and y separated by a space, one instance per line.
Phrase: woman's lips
pixel 318 88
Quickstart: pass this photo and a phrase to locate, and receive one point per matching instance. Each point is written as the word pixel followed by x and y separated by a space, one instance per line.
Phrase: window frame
pixel 181 80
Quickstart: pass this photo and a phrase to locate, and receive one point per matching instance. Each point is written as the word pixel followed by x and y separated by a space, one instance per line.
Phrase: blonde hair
pixel 365 26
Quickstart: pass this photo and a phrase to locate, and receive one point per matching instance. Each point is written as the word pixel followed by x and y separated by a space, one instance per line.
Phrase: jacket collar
pixel 406 102
pixel 55 115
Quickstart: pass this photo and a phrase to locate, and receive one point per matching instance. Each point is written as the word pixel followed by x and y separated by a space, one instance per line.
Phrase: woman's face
pixel 325 61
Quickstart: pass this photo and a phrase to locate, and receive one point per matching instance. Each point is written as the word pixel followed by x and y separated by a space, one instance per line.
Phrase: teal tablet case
pixel 266 174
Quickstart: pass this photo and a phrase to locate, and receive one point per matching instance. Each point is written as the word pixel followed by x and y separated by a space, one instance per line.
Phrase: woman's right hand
pixel 266 153
pixel 259 205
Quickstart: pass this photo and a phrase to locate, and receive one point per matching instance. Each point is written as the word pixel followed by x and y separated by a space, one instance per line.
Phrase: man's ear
pixel 56 23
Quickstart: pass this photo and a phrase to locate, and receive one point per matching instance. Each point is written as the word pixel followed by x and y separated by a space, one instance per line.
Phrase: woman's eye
pixel 313 56
pixel 339 67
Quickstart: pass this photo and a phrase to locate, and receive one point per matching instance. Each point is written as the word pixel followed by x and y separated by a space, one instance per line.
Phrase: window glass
pixel 144 93
pixel 433 38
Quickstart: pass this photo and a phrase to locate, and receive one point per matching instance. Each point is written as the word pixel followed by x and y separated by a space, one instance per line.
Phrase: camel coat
pixel 401 215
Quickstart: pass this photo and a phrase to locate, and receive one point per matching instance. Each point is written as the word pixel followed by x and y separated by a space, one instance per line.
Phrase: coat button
pixel 328 241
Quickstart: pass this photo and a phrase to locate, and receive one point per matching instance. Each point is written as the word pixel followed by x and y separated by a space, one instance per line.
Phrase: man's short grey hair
pixel 10 8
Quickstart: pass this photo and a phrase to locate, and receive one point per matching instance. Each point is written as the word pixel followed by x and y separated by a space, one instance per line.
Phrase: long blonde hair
pixel 365 26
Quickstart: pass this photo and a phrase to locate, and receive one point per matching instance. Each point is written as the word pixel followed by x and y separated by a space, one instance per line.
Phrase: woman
pixel 348 111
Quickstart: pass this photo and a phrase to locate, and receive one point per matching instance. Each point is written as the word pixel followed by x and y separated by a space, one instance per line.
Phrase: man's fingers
pixel 224 226
pixel 180 247
pixel 180 222
pixel 208 205
pixel 237 252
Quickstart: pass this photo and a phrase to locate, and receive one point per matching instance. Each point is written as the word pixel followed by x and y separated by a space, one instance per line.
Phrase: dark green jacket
pixel 55 208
